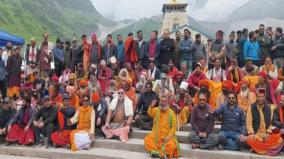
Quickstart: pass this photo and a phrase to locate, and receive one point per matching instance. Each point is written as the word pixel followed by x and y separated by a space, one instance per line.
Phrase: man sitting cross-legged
pixel 47 125
pixel 83 136
pixel 61 138
pixel 202 122
pixel 261 139
pixel 233 128
pixel 162 142
pixel 20 126
pixel 119 117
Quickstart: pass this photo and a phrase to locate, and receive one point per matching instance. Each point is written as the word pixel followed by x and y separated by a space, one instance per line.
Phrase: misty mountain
pixel 259 9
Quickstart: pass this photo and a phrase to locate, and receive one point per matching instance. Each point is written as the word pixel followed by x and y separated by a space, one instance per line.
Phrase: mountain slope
pixel 259 9
pixel 31 18
pixel 147 25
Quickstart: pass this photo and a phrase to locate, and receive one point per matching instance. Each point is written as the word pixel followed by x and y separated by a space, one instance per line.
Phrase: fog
pixel 213 10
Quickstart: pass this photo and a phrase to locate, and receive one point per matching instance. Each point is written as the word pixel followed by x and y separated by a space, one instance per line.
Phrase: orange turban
pixel 83 83
pixel 229 85
pixel 204 82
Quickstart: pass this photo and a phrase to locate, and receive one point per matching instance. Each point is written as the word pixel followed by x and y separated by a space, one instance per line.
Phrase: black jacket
pixel 48 115
pixel 276 119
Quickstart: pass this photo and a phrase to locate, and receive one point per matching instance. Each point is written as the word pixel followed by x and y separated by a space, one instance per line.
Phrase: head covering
pixel 83 83
pixel 33 39
pixel 204 82
pixel 260 91
pixel 72 76
pixel 55 78
pixel 93 66
pixel 112 60
pixel 229 85
pixel 198 64
pixel 65 97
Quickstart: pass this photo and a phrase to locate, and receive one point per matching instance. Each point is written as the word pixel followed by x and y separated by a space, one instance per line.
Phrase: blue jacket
pixel 120 52
pixel 186 49
pixel 251 50
pixel 232 120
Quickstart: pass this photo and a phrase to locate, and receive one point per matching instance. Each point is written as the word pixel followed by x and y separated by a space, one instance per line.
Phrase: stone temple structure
pixel 175 18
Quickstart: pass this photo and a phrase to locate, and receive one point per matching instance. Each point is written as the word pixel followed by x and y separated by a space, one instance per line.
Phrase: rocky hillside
pixel 28 18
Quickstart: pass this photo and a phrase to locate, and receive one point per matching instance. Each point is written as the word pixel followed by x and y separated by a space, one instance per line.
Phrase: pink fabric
pixel 194 79
pixel 152 49
pixel 122 133
pixel 104 78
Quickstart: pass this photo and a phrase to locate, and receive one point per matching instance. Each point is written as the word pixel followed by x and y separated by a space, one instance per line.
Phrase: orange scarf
pixel 85 118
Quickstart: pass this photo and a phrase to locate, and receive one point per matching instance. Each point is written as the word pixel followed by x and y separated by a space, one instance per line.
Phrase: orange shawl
pixel 130 51
pixel 85 114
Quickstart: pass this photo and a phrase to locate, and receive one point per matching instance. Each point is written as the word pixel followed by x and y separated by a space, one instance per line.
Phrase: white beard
pixel 244 93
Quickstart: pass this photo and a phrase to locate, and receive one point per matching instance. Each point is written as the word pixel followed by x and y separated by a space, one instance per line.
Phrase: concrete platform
pixel 137 145
pixel 12 152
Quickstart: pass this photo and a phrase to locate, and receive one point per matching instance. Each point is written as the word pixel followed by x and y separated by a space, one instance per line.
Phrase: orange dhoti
pixel 61 138
pixel 169 148
pixel 183 116
pixel 270 147
pixel 18 134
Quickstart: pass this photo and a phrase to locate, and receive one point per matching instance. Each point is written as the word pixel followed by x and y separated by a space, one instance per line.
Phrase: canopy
pixel 6 37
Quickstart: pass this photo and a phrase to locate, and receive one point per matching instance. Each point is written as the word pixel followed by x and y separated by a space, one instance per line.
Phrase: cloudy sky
pixel 214 10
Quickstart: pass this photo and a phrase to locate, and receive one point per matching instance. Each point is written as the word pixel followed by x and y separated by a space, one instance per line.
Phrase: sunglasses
pixel 120 92
pixel 85 100
pixel 202 99
pixel 231 98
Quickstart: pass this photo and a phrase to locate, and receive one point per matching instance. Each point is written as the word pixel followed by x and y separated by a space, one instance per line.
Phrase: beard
pixel 164 108
pixel 244 93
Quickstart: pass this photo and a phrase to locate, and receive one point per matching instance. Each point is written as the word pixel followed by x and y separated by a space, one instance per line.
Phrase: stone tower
pixel 174 17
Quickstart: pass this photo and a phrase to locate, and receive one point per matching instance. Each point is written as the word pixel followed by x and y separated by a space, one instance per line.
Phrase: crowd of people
pixel 71 94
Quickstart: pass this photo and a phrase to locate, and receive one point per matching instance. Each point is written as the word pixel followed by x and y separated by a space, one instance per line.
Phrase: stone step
pixel 182 136
pixel 137 145
pixel 59 153
pixel 188 128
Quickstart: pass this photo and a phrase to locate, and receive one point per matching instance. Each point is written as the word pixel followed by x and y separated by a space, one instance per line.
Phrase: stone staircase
pixel 134 148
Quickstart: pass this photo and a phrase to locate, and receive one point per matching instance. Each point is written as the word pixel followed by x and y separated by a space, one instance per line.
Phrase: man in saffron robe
pixel 246 97
pixel 261 139
pixel 74 100
pixel 83 136
pixel 86 53
pixel 61 137
pixel 162 142
pixel 104 76
pixel 20 127
pixel 130 50
pixel 119 117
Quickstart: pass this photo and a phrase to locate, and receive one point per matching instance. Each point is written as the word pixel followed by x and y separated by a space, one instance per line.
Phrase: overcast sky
pixel 215 10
